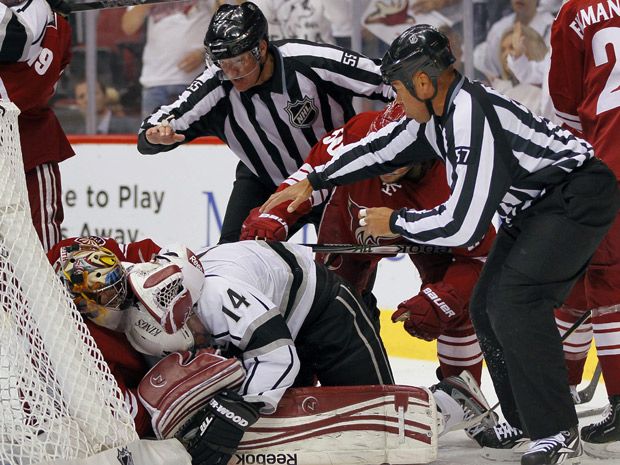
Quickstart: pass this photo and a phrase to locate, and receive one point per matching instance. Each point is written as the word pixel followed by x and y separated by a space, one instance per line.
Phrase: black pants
pixel 530 271
pixel 249 192
pixel 339 343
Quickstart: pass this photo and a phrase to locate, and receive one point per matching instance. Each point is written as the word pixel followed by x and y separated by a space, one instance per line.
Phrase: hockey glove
pixel 274 225
pixel 436 308
pixel 213 434
pixel 267 226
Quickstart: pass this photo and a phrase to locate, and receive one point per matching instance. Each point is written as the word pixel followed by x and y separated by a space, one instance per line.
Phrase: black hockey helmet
pixel 233 30
pixel 419 48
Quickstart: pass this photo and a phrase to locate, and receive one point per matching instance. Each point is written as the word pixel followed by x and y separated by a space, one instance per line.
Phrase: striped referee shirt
pixel 257 296
pixel 272 127
pixel 499 158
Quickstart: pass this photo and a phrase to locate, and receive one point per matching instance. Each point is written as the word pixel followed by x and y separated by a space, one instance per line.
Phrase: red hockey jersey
pixel 584 78
pixel 126 364
pixel 30 85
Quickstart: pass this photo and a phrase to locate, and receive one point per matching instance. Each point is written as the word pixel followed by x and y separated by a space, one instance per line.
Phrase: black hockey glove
pixel 213 434
pixel 60 6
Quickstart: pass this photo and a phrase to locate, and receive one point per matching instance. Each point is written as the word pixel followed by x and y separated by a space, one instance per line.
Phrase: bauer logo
pixel 302 113
pixel 266 459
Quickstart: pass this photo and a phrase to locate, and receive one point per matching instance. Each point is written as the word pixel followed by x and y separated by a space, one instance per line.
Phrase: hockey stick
pixel 104 4
pixel 586 394
pixel 379 249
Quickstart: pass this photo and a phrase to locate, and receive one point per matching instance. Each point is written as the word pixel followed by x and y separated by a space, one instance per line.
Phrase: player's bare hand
pixel 298 193
pixel 163 134
pixel 376 221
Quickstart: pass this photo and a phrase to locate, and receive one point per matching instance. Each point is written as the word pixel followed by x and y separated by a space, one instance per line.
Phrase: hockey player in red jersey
pixel 439 310
pixel 101 296
pixel 35 50
pixel 583 82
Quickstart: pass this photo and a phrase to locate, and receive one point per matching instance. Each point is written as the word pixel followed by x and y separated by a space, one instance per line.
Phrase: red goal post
pixel 58 399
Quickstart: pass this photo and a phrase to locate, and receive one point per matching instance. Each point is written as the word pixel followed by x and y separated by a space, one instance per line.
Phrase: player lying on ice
pixel 290 322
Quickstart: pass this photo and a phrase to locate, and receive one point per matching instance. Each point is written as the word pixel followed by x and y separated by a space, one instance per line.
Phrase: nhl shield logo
pixel 302 113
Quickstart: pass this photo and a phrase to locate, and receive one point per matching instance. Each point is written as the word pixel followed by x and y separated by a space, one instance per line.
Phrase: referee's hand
pixel 163 134
pixel 376 221
pixel 298 193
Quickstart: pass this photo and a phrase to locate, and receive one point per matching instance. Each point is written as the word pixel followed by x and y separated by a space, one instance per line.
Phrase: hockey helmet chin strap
pixel 405 75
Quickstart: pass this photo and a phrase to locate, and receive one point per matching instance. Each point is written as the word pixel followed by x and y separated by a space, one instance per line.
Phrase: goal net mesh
pixel 58 399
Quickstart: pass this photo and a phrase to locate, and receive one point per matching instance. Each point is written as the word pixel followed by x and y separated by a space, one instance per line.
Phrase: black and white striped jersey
pixel 22 28
pixel 499 158
pixel 256 297
pixel 272 127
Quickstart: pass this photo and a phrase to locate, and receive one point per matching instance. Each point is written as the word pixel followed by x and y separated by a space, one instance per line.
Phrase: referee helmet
pixel 419 48
pixel 235 29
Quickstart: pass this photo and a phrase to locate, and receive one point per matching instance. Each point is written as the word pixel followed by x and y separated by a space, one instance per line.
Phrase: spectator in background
pixel 521 41
pixel 110 117
pixel 339 15
pixel 297 19
pixel 173 53
pixel 487 54
pixel 35 47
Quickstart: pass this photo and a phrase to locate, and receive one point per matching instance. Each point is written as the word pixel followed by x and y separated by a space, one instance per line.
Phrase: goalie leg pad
pixel 349 425
pixel 179 385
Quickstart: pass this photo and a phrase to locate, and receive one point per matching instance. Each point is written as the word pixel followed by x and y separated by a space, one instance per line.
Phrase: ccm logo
pixel 440 303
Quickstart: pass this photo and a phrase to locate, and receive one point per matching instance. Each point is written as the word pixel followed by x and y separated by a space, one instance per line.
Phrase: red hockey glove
pixel 436 308
pixel 273 225
pixel 267 226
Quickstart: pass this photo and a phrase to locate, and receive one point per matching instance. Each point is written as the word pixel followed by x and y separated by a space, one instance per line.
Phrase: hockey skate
pixel 564 447
pixel 501 443
pixel 465 390
pixel 602 439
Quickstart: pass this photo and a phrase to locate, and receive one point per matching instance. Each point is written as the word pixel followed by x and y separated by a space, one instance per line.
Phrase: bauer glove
pixel 430 313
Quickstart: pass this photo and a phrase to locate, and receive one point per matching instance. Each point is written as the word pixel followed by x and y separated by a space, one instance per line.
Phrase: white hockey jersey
pixel 257 296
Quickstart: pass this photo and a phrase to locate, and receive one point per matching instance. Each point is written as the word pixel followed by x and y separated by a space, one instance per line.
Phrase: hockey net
pixel 58 399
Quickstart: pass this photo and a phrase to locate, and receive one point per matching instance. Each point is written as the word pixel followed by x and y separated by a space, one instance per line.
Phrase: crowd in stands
pixel 148 54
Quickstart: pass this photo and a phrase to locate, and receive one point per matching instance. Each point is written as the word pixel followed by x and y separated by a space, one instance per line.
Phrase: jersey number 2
pixel 610 95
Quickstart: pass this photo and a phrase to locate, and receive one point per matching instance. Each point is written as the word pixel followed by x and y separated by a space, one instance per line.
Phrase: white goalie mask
pixel 147 336
pixel 168 286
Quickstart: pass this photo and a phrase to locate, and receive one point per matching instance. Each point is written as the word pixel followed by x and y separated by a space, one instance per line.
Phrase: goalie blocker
pixel 311 426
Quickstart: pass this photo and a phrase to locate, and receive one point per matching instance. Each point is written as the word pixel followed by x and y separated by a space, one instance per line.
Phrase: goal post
pixel 58 399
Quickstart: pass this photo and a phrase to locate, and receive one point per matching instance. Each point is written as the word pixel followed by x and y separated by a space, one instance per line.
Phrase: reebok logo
pixel 224 412
pixel 439 302
pixel 263 459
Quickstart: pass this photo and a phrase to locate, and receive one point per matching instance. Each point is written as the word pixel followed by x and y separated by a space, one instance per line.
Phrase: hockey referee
pixel 269 102
pixel 555 200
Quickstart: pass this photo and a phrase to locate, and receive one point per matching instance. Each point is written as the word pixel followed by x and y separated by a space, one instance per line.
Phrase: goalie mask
pixel 147 336
pixel 97 282
pixel 169 286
